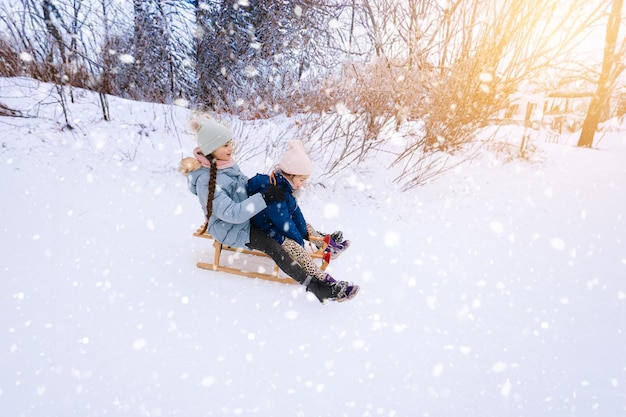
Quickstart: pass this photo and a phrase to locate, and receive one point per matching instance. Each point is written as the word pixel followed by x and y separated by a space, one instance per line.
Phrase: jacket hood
pixel 283 182
pixel 192 178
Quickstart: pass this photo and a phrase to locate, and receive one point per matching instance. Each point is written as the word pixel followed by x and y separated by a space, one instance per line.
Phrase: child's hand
pixel 273 194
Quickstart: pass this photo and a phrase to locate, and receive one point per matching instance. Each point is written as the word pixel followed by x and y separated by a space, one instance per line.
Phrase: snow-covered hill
pixel 497 290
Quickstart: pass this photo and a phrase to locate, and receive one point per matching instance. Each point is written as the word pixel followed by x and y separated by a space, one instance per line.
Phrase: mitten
pixel 274 194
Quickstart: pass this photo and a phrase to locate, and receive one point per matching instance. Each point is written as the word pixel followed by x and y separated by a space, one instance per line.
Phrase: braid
pixel 212 182
pixel 209 200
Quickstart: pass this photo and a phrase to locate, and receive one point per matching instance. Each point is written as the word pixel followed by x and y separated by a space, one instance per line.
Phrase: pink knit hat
pixel 295 161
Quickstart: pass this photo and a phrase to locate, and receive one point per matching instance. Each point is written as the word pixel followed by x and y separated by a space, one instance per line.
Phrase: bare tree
pixel 450 64
pixel 611 69
pixel 252 56
pixel 51 39
pixel 487 49
pixel 150 74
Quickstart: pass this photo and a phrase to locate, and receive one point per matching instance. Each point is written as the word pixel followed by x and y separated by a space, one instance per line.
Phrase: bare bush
pixel 10 63
pixel 363 68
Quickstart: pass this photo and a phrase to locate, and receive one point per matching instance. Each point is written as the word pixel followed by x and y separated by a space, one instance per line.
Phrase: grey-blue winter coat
pixel 232 208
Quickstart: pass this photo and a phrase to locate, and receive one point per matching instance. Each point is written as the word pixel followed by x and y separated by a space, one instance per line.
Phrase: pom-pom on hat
pixel 295 161
pixel 210 134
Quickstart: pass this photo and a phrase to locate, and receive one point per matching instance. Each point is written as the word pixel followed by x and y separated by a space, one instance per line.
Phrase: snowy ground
pixel 497 290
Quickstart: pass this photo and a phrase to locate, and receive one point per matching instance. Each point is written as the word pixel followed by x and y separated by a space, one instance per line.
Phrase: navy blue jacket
pixel 280 219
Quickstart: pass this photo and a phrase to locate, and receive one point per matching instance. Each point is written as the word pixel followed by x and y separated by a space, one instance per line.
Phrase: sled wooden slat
pixel 217 266
pixel 249 274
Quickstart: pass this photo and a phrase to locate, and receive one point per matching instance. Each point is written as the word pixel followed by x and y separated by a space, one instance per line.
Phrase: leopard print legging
pixel 302 257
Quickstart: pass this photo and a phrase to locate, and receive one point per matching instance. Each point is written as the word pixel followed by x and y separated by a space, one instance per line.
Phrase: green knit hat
pixel 210 134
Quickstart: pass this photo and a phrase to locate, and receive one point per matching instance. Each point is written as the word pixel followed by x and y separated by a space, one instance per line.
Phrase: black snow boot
pixel 321 290
pixel 329 291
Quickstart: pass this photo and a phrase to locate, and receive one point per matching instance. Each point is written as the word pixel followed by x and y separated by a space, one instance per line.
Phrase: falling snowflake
pixel 392 239
pixel 181 102
pixel 496 227
pixel 506 388
pixel 499 367
pixel 207 381
pixel 139 344
pixel 127 59
pixel 342 109
pixel 26 57
pixel 557 244
pixel 250 71
pixel 485 77
pixel 331 211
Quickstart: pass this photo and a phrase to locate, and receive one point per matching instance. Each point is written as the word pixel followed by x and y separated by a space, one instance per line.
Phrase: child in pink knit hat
pixel 296 166
pixel 283 220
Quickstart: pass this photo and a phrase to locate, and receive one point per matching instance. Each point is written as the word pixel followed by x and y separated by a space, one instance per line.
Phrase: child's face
pixel 298 181
pixel 224 152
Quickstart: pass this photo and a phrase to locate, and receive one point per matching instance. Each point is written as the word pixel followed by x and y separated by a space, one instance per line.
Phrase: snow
pixel 498 289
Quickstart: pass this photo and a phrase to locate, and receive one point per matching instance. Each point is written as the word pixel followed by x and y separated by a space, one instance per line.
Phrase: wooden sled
pixel 274 276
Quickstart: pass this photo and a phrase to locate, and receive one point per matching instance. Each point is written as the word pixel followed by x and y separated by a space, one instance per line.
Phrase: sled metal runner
pixel 274 276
